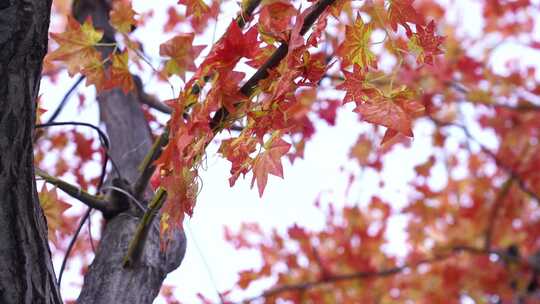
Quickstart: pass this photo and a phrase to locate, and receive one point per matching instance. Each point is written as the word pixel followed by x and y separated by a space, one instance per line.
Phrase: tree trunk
pixel 26 271
pixel 107 281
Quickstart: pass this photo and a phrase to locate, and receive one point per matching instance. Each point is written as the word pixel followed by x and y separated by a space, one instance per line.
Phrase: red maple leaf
pixel 232 46
pixel 225 91
pixel 269 162
pixel 275 18
pixel 386 113
pixel 356 86
pixel 402 11
pixel 173 19
pixel 395 111
pixel 425 43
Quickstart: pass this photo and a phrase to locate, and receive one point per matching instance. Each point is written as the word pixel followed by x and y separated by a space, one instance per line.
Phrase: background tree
pixel 471 237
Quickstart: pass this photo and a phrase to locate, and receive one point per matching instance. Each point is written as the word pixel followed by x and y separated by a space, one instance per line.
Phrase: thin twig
pixel 102 136
pixel 72 243
pixel 105 143
pixel 64 100
pixel 524 107
pixel 126 193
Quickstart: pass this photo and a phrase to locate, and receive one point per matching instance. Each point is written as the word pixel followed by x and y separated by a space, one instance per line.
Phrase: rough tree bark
pixel 26 271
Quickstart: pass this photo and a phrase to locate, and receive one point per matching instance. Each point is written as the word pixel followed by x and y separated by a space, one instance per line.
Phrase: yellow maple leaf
pixel 355 47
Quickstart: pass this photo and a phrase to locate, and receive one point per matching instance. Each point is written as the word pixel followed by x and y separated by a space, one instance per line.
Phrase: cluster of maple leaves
pixel 298 52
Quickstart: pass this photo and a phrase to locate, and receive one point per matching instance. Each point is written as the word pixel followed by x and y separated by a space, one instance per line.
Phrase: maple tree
pixel 256 93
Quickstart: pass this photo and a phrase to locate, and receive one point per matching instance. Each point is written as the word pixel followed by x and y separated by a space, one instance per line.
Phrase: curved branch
pixel 103 137
pixel 85 217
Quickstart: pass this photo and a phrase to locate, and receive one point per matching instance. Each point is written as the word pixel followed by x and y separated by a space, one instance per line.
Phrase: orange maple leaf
pixel 76 45
pixel 196 8
pixel 181 186
pixel 182 53
pixel 53 209
pixel 269 162
pixel 119 73
pixel 122 16
pixel 94 71
pixel 356 86
pixel 355 47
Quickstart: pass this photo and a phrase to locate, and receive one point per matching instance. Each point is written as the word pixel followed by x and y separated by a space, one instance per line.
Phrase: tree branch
pixel 86 198
pixel 360 275
pixel 137 243
pixel 245 15
pixel 247 89
pixel 149 100
pixel 85 217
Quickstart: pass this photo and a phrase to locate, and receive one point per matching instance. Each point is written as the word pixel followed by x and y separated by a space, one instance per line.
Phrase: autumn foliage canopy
pixel 408 69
